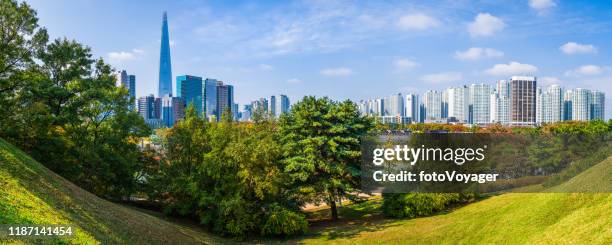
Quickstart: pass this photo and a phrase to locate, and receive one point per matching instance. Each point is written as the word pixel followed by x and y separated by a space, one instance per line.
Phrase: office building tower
pixel 458 103
pixel 282 105
pixel 173 110
pixel 225 98
pixel 165 65
pixel 581 104
pixel 272 106
pixel 128 82
pixel 552 104
pixel 432 101
pixel 247 111
pixel 146 107
pixel 235 112
pixel 191 90
pixel 411 107
pixel 210 99
pixel 479 101
pixel 598 100
pixel 522 100
pixel 259 107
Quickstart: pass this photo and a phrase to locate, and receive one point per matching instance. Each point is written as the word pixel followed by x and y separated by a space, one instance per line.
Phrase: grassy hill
pixel 513 218
pixel 32 194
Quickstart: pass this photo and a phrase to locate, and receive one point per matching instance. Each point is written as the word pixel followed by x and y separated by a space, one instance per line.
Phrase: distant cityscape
pixel 209 97
pixel 516 102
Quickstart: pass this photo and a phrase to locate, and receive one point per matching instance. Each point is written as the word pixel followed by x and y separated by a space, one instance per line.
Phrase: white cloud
pixel 512 68
pixel 577 48
pixel 586 70
pixel 417 22
pixel 404 64
pixel 122 56
pixel 477 53
pixel 443 77
pixel 540 5
pixel 549 80
pixel 485 24
pixel 266 67
pixel 294 80
pixel 337 72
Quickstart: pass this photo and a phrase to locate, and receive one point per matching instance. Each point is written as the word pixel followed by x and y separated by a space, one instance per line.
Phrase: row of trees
pixel 62 106
pixel 250 178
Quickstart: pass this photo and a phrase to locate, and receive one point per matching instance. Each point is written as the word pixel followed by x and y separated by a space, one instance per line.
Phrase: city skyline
pixel 406 51
pixel 518 101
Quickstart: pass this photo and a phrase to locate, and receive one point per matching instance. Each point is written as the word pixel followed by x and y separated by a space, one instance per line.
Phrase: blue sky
pixel 347 49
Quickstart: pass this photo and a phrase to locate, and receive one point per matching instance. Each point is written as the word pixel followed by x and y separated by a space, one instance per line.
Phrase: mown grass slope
pixel 32 194
pixel 512 218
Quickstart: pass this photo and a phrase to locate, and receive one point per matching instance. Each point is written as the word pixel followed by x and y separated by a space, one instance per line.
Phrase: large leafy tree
pixel 62 106
pixel 322 150
pixel 227 174
pixel 20 40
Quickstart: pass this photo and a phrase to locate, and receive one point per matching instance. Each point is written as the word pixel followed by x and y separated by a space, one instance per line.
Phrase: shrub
pixel 420 204
pixel 283 222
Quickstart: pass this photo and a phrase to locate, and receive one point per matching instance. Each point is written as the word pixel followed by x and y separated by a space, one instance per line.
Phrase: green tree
pixel 321 148
pixel 20 40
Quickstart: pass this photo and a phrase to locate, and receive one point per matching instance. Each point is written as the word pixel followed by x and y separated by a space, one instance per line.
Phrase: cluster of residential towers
pixel 517 101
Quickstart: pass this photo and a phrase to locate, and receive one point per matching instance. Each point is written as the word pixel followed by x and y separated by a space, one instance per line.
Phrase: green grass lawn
pixel 32 194
pixel 512 218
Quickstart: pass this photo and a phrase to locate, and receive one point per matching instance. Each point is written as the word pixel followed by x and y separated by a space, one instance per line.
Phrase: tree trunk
pixel 334 210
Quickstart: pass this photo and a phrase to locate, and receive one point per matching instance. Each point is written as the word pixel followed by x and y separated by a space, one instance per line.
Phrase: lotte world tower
pixel 165 65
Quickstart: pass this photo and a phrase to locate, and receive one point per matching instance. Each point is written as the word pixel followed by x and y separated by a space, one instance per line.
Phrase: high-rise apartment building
pixel 458 105
pixel 191 90
pixel 411 107
pixel 538 105
pixel 165 65
pixel 598 100
pixel 552 104
pixel 522 100
pixel 479 101
pixel 500 103
pixel 432 101
pixel 581 104
pixel 396 105
pixel 567 105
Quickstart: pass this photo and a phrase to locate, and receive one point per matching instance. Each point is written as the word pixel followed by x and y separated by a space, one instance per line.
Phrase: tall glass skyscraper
pixel 191 90
pixel 210 98
pixel 165 65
